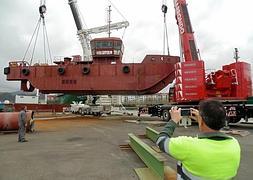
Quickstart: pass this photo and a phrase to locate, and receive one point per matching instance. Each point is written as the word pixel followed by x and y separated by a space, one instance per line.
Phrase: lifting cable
pixel 120 15
pixel 165 30
pixel 88 36
pixel 42 11
pixel 45 38
pixel 117 10
pixel 38 24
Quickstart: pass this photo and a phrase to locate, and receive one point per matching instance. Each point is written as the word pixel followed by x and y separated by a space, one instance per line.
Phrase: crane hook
pixel 164 8
pixel 42 10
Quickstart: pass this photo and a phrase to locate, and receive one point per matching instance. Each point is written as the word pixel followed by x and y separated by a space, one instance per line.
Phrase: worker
pixel 21 124
pixel 210 155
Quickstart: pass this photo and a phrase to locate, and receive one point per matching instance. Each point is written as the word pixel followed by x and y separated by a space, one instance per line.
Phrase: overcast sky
pixel 219 26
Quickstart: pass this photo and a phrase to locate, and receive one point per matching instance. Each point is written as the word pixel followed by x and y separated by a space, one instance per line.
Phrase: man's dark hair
pixel 213 113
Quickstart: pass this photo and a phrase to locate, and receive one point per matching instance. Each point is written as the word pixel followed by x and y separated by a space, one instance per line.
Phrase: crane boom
pixel 76 14
pixel 84 34
pixel 100 29
pixel 186 33
pixel 84 39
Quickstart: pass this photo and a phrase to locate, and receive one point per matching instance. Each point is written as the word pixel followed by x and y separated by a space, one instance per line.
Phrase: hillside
pixel 10 96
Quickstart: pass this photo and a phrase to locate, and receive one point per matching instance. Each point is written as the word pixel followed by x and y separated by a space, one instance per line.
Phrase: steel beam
pixel 152 159
pixel 152 134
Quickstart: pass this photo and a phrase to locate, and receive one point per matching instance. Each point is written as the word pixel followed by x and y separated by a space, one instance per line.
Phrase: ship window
pixel 122 48
pixel 118 45
pixel 116 52
pixel 92 44
pixel 104 44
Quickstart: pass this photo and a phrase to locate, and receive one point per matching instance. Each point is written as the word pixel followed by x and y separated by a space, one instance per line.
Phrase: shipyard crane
pixel 186 34
pixel 84 34
pixel 192 83
pixel 232 85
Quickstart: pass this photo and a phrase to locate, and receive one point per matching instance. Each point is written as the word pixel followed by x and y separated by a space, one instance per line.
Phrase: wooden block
pixel 169 173
pixel 125 147
pixel 156 149
pixel 237 132
pixel 146 174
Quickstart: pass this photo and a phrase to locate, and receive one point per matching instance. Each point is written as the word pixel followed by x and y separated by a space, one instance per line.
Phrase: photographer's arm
pixel 165 135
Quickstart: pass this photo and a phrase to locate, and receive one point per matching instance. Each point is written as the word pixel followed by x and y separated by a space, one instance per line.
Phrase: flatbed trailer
pixel 235 109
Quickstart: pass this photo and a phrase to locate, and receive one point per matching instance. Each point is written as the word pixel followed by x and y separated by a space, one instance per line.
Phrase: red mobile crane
pixel 232 85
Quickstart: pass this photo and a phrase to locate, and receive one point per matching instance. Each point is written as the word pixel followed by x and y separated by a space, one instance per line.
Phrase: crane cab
pixel 107 50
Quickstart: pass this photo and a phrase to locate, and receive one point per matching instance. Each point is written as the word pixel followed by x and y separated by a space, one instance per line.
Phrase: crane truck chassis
pixel 94 106
pixel 96 110
pixel 235 110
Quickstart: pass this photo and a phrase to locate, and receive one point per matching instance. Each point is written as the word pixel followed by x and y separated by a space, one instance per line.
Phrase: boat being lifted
pixel 105 74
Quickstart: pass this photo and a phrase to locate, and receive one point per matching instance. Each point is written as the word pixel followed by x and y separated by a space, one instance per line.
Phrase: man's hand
pixel 175 114
pixel 195 114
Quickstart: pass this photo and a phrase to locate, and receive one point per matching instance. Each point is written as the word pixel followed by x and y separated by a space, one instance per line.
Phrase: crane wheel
pixel 165 115
pixel 86 70
pixel 61 70
pixel 126 69
pixel 234 119
pixel 25 71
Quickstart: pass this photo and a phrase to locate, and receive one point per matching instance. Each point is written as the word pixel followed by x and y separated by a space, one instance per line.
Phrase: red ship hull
pixel 148 77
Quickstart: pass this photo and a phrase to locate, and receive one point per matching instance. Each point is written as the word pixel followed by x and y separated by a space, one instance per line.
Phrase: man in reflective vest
pixel 210 155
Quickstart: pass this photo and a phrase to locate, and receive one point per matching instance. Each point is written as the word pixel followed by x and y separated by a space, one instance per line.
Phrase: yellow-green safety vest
pixel 206 157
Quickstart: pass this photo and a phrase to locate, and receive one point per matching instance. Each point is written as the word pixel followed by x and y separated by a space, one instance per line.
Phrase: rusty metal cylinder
pixel 9 120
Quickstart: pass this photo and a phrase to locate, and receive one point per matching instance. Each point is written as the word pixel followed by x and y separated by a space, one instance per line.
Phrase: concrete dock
pixel 88 148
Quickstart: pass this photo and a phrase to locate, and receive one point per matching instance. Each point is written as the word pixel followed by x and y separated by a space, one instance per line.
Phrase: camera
pixel 185 112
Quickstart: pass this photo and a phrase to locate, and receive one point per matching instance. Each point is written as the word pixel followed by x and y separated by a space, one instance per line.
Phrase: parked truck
pixel 94 106
pixel 232 85
pixel 84 109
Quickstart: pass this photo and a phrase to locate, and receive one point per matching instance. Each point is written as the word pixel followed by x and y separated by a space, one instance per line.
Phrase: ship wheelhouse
pixel 107 50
